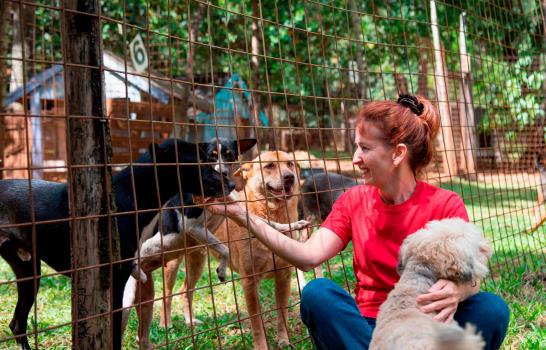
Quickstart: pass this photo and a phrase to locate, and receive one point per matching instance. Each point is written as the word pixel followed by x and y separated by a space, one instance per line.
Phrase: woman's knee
pixel 489 313
pixel 317 297
pixel 492 308
pixel 316 291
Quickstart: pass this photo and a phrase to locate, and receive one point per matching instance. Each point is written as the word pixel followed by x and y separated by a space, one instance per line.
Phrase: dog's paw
pixel 300 225
pixel 221 274
pixel 144 344
pixel 23 254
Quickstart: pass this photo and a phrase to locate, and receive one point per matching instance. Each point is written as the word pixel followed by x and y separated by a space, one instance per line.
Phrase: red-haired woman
pixel 394 142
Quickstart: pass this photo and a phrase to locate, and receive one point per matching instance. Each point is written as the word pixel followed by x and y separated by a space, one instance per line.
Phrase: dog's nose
pixel 289 178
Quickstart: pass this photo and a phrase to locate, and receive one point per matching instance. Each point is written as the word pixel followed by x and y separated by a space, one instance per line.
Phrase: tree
pixel 90 178
pixel 440 74
pixel 5 9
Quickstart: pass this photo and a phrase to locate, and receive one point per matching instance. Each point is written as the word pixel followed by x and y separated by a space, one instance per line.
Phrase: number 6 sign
pixel 138 54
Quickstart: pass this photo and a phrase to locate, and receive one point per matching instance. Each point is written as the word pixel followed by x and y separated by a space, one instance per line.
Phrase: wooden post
pixel 446 135
pixel 466 108
pixel 94 240
pixel 5 8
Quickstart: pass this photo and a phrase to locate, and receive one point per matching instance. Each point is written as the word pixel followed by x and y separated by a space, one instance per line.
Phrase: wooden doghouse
pixel 140 109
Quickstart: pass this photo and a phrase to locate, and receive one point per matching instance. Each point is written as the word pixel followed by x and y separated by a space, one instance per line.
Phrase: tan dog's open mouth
pixel 285 190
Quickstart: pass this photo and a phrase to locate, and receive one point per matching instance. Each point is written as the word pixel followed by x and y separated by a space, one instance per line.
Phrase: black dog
pixel 179 225
pixel 177 169
pixel 319 192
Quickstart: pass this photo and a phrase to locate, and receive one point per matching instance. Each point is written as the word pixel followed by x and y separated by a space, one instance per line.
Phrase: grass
pixel 503 212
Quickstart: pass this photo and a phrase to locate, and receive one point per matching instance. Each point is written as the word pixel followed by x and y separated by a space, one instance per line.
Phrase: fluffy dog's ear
pixel 484 253
pixel 240 176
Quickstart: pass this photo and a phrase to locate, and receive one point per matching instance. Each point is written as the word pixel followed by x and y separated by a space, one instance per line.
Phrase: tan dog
pixel 450 249
pixel 271 187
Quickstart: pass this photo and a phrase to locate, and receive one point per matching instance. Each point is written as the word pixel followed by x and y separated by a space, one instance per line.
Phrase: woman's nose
pixel 357 159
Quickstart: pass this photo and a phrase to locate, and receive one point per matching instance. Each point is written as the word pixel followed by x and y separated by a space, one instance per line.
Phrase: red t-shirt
pixel 378 229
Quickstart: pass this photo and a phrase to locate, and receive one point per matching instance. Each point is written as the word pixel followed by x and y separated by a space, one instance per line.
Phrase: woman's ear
pixel 399 154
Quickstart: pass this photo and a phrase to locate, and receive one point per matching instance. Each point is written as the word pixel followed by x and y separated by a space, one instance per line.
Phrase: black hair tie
pixel 412 103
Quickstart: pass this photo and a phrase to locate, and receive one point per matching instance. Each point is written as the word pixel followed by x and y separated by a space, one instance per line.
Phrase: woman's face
pixel 373 155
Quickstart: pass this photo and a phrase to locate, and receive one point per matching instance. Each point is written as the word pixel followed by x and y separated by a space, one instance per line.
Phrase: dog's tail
pixel 452 337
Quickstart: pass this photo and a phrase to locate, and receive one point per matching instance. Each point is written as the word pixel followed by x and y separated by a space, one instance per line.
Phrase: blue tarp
pixel 229 103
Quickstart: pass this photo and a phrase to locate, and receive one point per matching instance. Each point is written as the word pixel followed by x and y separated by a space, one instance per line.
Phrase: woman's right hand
pixel 230 208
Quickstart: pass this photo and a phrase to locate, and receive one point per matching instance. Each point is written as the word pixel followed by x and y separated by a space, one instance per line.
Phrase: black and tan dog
pixel 180 225
pixel 176 169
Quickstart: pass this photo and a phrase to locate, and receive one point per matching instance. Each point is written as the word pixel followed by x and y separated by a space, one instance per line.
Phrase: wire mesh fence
pixel 92 92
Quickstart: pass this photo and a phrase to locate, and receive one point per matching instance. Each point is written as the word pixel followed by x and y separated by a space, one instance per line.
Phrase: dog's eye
pixel 290 164
pixel 269 166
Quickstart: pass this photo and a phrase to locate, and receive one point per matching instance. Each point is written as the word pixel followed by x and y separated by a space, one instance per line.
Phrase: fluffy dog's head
pixel 272 175
pixel 452 249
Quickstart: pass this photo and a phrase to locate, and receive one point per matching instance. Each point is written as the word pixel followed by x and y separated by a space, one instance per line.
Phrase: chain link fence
pixel 87 89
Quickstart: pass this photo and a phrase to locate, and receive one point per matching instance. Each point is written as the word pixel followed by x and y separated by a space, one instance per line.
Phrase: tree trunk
pixel 361 66
pixel 422 78
pixel 256 85
pixel 466 108
pixel 401 83
pixel 193 23
pixel 361 63
pixel 543 104
pixel 5 9
pixel 21 48
pixel 94 240
pixel 446 135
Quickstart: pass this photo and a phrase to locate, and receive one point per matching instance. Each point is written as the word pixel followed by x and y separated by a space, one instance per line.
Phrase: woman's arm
pixel 322 245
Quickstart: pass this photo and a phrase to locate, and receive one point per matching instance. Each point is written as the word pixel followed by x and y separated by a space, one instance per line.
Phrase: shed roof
pixel 117 71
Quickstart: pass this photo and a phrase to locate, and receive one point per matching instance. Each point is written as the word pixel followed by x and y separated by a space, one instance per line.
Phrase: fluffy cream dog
pixel 450 249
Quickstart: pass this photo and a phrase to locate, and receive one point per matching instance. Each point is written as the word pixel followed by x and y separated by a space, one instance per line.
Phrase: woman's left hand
pixel 443 297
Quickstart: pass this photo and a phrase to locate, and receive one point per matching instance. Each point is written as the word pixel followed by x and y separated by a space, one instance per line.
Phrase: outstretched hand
pixel 442 297
pixel 230 208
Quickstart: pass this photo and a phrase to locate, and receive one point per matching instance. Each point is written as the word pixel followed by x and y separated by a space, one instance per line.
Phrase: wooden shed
pixel 140 106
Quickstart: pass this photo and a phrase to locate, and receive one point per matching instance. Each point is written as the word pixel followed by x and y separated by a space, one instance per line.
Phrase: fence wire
pixel 291 74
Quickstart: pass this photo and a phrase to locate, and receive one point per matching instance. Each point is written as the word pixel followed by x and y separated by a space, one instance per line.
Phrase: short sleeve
pixel 455 208
pixel 339 219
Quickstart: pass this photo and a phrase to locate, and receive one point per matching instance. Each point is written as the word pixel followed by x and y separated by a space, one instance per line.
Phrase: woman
pixel 394 142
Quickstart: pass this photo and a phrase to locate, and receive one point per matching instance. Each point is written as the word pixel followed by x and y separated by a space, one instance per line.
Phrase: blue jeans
pixel 334 320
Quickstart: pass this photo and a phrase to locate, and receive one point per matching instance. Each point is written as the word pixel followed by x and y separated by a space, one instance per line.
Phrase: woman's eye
pixel 362 147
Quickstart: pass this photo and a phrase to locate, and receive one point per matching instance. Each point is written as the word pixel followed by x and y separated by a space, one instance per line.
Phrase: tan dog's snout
pixel 288 178
pixel 277 174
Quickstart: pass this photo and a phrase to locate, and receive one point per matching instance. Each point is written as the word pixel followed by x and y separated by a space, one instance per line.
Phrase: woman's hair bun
pixel 412 103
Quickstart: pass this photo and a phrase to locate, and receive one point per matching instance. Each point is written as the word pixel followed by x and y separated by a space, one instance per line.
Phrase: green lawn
pixel 502 211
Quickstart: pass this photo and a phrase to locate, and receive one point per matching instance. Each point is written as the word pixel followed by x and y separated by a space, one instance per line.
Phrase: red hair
pixel 400 124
